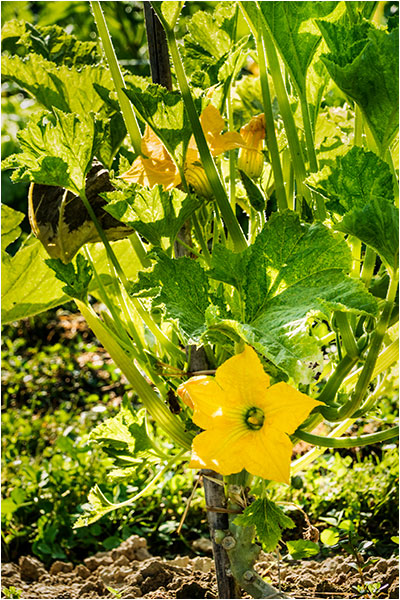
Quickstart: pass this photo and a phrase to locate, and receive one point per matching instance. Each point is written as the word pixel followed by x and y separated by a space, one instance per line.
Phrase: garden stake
pixel 214 493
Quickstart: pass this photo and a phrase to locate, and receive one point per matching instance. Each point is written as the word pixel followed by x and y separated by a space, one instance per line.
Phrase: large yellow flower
pixel 246 421
pixel 157 167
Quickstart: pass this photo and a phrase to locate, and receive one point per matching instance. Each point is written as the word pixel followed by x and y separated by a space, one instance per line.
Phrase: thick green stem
pixel 385 359
pixel 336 379
pixel 126 107
pixel 368 266
pixel 231 222
pixel 347 334
pixel 348 442
pixel 287 116
pixel 232 156
pixel 270 126
pixel 305 112
pixel 156 407
pixel 377 339
pixel 300 464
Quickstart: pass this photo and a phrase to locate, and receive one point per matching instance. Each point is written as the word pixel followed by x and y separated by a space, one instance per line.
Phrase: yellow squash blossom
pixel 246 421
pixel 157 167
pixel 251 159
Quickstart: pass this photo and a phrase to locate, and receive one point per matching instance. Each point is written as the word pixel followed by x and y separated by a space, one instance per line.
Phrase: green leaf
pixel 295 34
pixel 210 52
pixel 360 186
pixel 29 286
pixel 292 270
pixel 269 521
pixel 377 225
pixel 165 113
pixel 254 194
pixel 77 280
pixel 329 537
pixel 10 230
pixel 183 288
pixel 369 77
pixel 62 87
pixel 52 42
pixel 168 12
pixel 123 437
pixel 156 214
pixel 55 150
pixel 299 549
pixel 353 180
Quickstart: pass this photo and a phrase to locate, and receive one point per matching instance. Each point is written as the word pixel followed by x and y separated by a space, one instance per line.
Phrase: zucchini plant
pixel 236 221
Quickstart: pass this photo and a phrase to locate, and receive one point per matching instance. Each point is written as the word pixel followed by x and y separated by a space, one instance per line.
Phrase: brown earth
pixel 129 571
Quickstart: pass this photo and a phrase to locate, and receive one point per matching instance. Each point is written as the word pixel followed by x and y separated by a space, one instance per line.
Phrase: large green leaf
pixel 360 187
pixel 55 152
pixel 291 271
pixel 30 287
pixel 295 34
pixel 377 225
pixel 364 64
pixel 156 214
pixel 182 286
pixel 51 41
pixel 66 88
pixel 354 179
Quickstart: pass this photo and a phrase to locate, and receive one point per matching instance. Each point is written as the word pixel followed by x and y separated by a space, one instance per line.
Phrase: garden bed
pixel 129 571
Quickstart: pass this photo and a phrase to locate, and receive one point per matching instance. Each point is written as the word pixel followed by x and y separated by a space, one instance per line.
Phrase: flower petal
pixel 243 379
pixel 285 408
pixel 268 454
pixel 211 406
pixel 219 449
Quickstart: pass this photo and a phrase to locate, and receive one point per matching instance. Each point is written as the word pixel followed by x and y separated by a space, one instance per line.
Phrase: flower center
pixel 254 418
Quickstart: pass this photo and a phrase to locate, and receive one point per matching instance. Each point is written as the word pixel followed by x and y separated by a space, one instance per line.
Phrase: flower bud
pixel 251 159
pixel 197 177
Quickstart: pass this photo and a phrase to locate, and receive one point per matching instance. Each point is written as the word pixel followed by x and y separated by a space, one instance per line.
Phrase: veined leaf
pixel 367 71
pixel 52 42
pixel 269 521
pixel 295 34
pixel 377 225
pixel 291 271
pixel 123 437
pixel 66 88
pixel 77 281
pixel 156 214
pixel 182 285
pixel 360 187
pixel 56 149
pixel 355 179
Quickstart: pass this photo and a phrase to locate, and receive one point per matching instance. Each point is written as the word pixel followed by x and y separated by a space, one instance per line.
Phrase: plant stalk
pixel 377 339
pixel 126 107
pixel 270 126
pixel 230 220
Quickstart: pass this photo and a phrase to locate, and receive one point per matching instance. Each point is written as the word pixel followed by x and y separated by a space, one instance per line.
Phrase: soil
pixel 129 571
